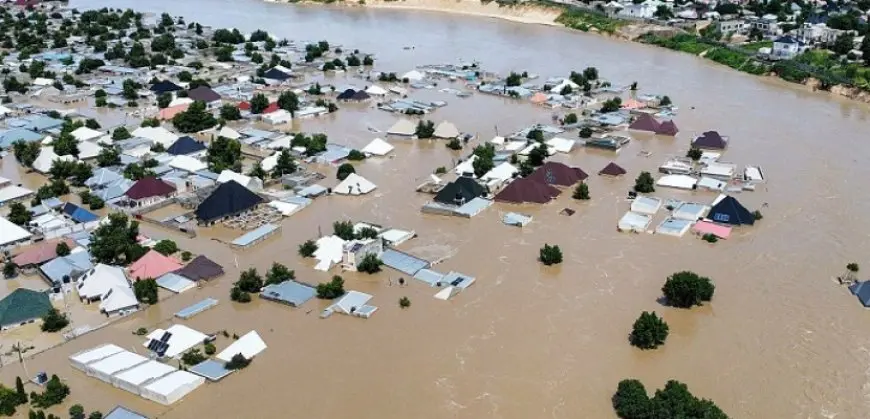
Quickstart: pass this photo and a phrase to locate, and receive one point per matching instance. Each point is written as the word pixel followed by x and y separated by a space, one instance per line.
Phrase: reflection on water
pixel 527 341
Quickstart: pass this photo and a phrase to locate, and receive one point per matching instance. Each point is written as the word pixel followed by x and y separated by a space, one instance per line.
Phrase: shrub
pixel 307 249
pixel 210 349
pixel 571 118
pixel 146 291
pixel 454 144
pixel 186 256
pixel 344 230
pixel 550 255
pixel 694 153
pixel 356 155
pixel 141 331
pixel 686 289
pixel 757 215
pixel 250 281
pixel 440 170
pixel 644 183
pixel 237 362
pixel 649 331
pixel 404 302
pixel 585 132
pixel 55 392
pixel 239 296
pixel 344 171
pixel 581 192
pixel 166 247
pixel 62 249
pixel 370 264
pixel 54 321
pixel 332 289
pixel 852 267
pixel 710 238
pixel 193 357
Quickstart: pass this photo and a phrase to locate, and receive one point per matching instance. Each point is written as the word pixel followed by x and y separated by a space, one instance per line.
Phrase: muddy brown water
pixel 780 340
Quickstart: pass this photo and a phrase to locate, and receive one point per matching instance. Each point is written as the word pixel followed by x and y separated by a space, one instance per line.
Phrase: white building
pixel 786 47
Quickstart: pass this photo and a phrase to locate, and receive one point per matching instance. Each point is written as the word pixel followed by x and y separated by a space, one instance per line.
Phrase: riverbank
pixel 812 75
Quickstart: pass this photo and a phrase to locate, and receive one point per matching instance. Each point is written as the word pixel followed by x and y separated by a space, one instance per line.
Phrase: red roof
pixel 527 190
pixel 148 187
pixel 271 108
pixel 244 106
pixel 668 128
pixel 645 122
pixel 40 253
pixel 612 169
pixel 554 173
pixel 153 265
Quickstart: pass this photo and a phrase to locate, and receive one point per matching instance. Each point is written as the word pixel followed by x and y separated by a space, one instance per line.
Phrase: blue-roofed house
pixel 103 177
pixel 79 214
pixel 862 291
pixel 71 266
pixel 82 238
pixel 114 190
pixel 8 137
pixel 334 153
pixel 41 123
pixel 291 293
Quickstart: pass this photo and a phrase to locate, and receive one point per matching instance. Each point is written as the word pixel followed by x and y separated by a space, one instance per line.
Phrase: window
pixel 721 217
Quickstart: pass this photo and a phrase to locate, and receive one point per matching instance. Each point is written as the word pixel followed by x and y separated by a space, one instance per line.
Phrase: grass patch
pixel 585 20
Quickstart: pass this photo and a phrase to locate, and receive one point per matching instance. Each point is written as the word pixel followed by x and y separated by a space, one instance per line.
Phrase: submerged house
pixel 460 191
pixel 229 199
pixel 612 169
pixel 23 306
pixel 558 174
pixel 730 211
pixel 647 123
pixel 710 140
pixel 527 190
pixel 149 191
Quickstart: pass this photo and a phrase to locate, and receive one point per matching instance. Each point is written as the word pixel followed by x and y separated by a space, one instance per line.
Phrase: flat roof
pixel 211 369
pixel 171 382
pixel 289 292
pixel 403 262
pixel 90 355
pixel 252 236
pixel 197 308
pixel 144 372
pixel 118 362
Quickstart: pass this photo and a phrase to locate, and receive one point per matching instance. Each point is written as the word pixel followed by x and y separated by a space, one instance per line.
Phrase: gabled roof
pixel 23 305
pixel 86 134
pixel 73 265
pixel 100 280
pixel 201 268
pixel 612 169
pixel 40 253
pixel 11 232
pixel 79 214
pixel 554 173
pixel 228 199
pixel 730 211
pixel 446 130
pixel 102 177
pixel 712 140
pixel 668 128
pixel 203 93
pixel 153 265
pixel 360 96
pixel 645 122
pixel 276 74
pixel 354 184
pixel 527 190
pixel 345 95
pixel 185 145
pixel 165 86
pixel 460 191
pixel 149 186
pixel 402 127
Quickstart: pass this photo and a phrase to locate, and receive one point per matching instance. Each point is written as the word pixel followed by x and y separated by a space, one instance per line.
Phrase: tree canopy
pixel 332 289
pixel 250 281
pixel 224 153
pixel 344 171
pixel 194 119
pixel 307 248
pixel 687 289
pixel 550 255
pixel 279 273
pixel 259 103
pixel 54 321
pixel 115 242
pixel 146 291
pixel 26 152
pixel 644 183
pixel 19 214
pixel 285 164
pixel 370 264
pixel 674 401
pixel 649 331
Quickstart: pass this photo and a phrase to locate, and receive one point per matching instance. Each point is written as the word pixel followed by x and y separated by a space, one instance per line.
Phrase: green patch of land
pixel 737 59
pixel 586 20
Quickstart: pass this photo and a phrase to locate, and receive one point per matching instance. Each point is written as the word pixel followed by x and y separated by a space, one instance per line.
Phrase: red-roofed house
pixel 271 108
pixel 244 106
pixel 149 191
pixel 153 265
pixel 39 253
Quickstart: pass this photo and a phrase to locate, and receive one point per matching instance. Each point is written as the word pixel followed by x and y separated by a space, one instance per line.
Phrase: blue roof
pixel 207 174
pixel 17 134
pixel 862 291
pixel 79 214
pixel 333 153
pixel 289 292
pixel 403 262
pixel 102 177
pixel 174 282
pixel 429 276
pixel 197 308
pixel 42 123
pixel 256 234
pixel 185 145
pixel 73 265
pixel 123 413
pixel 114 190
pixel 211 369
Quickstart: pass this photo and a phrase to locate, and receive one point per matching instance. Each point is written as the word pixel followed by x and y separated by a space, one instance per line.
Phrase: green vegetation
pixel 62 249
pixel 224 154
pixel 186 256
pixel 585 132
pixel 404 302
pixel 644 183
pixel 538 155
pixel 146 291
pixel 307 249
pixel 193 357
pixel 370 264
pixel 285 164
pixel 210 349
pixel 314 144
pixel 687 289
pixel 757 215
pixel 166 247
pixel 115 243
pixel 586 20
pixel 454 144
pixel 230 112
pixel 674 401
pixel 649 331
pixel 484 161
pixel 55 392
pixel 425 129
pixel 581 192
pixel 710 238
pixel 332 289
pixel 570 118
pixel 26 152
pixel 550 255
pixel 237 362
pixel 250 281
pixel 194 119
pixel 694 153
pixel 77 411
pixel 279 273
pixel 344 171
pixel 19 214
pixel 356 155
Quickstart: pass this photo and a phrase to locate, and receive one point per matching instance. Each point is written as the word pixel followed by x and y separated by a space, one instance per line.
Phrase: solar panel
pixel 152 345
pixel 165 337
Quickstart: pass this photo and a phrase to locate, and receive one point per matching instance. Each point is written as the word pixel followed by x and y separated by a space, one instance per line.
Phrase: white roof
pixel 182 339
pixel 13 192
pixel 634 221
pixel 228 175
pixel 329 251
pixel 497 140
pixel 89 150
pixel 412 75
pixel 4 110
pixel 402 127
pixel 42 81
pixel 99 280
pixel 446 130
pixel 526 151
pixel 91 355
pixel 378 147
pixel 180 101
pixel 354 184
pixel 376 90
pixel 712 184
pixel 249 345
pixel 646 204
pixel 285 208
pixel 351 300
pixel 46 158
pixel 187 163
pixel 445 293
pixel 709 157
pixel 11 232
pixel 230 133
pixel 117 362
pixel 278 116
pixel 117 298
pixel 514 145
pixel 677 181
pixel 142 373
pixel 158 135
pixel 86 134
pixel 465 167
pixel 719 169
pixel 270 162
pixel 280 142
pixel 562 145
pixel 169 384
pixel 502 172
pixel 753 174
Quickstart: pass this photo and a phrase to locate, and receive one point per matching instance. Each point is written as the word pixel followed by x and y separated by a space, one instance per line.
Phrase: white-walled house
pixel 786 47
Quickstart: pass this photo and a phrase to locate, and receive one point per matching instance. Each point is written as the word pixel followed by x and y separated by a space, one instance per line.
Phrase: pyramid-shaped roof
pixel 23 305
pixel 228 199
pixel 185 145
pixel 560 174
pixel 731 211
pixel 149 186
pixel 153 265
pixel 612 169
pixel 527 190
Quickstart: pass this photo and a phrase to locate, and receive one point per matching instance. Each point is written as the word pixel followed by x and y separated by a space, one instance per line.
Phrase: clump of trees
pixel 485 159
pixel 611 105
pixel 115 243
pixel 146 291
pixel 307 249
pixel 230 112
pixel 343 229
pixel 237 362
pixel 538 154
pixel 279 273
pixel 550 255
pixel 26 152
pixel 581 192
pixel 644 183
pixel 649 331
pixel 193 357
pixel 687 289
pixel 194 119
pixel 249 282
pixel 425 129
pixel 344 171
pixel 166 247
pixel 224 154
pixel 284 165
pixel 55 392
pixel 370 264
pixel 332 289
pixel 19 214
pixel 674 401
pixel 313 144
pixel 694 153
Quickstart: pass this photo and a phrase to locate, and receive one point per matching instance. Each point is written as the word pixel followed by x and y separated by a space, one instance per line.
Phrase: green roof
pixel 23 305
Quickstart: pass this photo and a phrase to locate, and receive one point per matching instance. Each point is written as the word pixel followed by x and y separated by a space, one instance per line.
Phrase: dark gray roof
pixel 203 93
pixel 201 268
pixel 403 262
pixel 228 199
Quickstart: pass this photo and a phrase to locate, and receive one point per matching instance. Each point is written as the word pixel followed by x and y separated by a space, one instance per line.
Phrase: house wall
pixel 16 325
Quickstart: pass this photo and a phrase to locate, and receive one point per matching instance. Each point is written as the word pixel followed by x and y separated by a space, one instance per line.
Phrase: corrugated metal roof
pixel 403 262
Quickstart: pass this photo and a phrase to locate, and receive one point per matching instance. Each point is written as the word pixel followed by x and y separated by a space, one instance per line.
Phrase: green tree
pixel 62 249
pixel 8 401
pixel 92 123
pixel 454 144
pixel 843 44
pixel 581 192
pixel 344 171
pixel 193 357
pixel 76 411
pixel 224 154
pixel 484 161
pixel 425 129
pixel 121 133
pixel 404 302
pixel 550 255
pixel 332 289
pixel 250 281
pixel 239 296
pixel 571 118
pixel 631 400
pixel 663 12
pixel 164 99
pixel 26 152
pixel 366 233
pixel 279 273
pixel 230 112
pixel 19 214
pixel 644 183
pixel 109 156
pixel 694 153
pixel 585 132
pixel 19 391
pixel 96 415
pixel 368 60
pixel 284 165
pixel 611 105
pixel 307 249
pixel 194 119
pixel 9 269
pixel 649 331
pixel 257 171
pixel 186 256
pixel 343 229
pixel 210 349
pixel 686 289
pixel 865 50
pixel 259 103
pixel 166 247
pixel 115 242
pixel 370 264
pixel 538 155
pixel 237 362
pixel 54 321
pixel 66 144
pixel 288 101
pixel 513 79
pixel 356 155
pixel 146 291
pixel 674 401
pixel 665 101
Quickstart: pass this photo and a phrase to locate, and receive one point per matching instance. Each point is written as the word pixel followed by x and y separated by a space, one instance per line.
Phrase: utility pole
pixel 21 359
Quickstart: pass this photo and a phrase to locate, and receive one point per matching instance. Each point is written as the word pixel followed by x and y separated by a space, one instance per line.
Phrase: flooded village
pixel 227 222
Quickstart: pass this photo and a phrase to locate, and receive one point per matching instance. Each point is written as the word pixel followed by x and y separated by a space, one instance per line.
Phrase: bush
pixel 649 331
pixel 585 132
pixel 644 183
pixel 344 230
pixel 146 291
pixel 62 249
pixel 454 144
pixel 77 412
pixel 344 171
pixel 55 392
pixel 710 238
pixel 757 215
pixel 54 321
pixel 141 331
pixel 279 273
pixel 571 118
pixel 550 255
pixel 370 264
pixel 186 256
pixel 694 153
pixel 440 170
pixel 581 192
pixel 674 401
pixel 686 289
pixel 239 296
pixel 852 267
pixel 404 302
pixel 193 357
pixel 250 281
pixel 210 349
pixel 332 289
pixel 166 247
pixel 237 362
pixel 307 249
pixel 425 129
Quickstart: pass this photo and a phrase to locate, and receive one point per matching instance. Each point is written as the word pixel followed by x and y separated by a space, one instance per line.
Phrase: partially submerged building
pixel 227 200
pixel 23 306
pixel 524 190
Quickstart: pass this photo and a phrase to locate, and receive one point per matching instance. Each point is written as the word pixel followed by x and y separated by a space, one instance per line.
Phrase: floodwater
pixel 780 340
